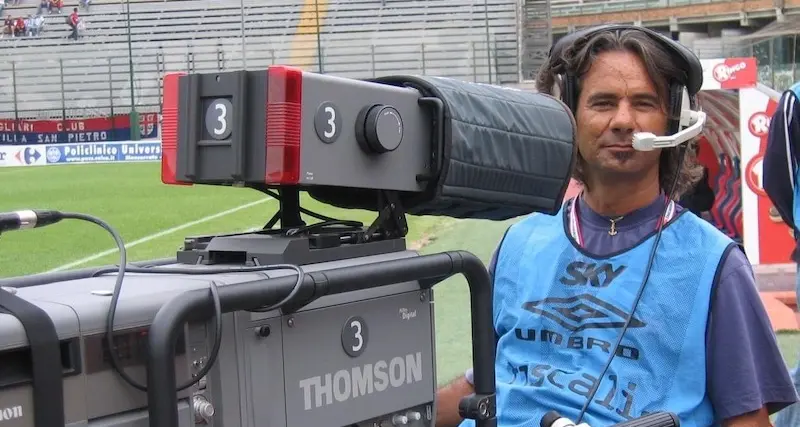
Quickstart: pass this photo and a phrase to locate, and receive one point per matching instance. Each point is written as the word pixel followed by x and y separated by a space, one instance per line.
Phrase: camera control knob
pixel 399 420
pixel 203 409
pixel 379 129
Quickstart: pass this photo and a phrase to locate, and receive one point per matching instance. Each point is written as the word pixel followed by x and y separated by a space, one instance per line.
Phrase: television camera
pixel 323 324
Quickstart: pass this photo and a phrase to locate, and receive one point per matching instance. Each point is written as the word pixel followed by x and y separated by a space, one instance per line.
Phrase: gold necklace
pixel 613 230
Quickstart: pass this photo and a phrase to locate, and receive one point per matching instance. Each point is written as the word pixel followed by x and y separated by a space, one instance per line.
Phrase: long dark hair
pixel 662 70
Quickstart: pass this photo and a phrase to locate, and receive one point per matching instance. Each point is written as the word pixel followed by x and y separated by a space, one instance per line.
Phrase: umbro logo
pixel 582 312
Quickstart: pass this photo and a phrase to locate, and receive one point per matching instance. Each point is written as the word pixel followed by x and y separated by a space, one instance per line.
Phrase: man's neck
pixel 621 198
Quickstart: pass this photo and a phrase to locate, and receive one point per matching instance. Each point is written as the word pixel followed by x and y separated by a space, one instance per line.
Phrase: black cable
pixel 272 221
pixel 639 294
pixel 326 219
pixel 199 272
pixel 122 268
pixel 288 298
pixel 343 226
pixel 312 214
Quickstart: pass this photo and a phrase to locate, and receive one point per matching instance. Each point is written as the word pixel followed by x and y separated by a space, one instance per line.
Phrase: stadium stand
pixel 358 38
pixel 536 37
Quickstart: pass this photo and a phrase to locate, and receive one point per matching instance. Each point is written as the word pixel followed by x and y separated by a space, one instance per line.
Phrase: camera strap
pixel 45 354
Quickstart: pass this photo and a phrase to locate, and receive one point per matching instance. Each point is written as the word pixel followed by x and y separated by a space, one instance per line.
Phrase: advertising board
pixel 103 152
pixel 71 131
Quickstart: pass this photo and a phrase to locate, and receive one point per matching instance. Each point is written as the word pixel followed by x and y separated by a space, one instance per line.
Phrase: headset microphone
pixel 645 141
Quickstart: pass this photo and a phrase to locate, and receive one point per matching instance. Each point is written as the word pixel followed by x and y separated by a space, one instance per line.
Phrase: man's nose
pixel 623 120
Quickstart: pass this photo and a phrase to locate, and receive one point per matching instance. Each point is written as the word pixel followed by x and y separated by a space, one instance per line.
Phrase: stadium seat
pixel 358 38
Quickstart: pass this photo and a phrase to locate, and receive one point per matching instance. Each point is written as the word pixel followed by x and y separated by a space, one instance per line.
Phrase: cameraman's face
pixel 617 99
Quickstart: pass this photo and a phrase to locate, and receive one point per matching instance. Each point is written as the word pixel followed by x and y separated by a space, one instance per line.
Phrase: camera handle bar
pixel 427 269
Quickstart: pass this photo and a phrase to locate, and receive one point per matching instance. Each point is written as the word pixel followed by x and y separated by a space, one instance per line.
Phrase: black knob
pixel 549 419
pixel 379 129
pixel 657 419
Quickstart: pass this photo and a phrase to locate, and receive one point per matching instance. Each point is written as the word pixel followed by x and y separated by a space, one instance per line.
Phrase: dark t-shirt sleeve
pixel 493 263
pixel 491 267
pixel 469 375
pixel 780 157
pixel 745 368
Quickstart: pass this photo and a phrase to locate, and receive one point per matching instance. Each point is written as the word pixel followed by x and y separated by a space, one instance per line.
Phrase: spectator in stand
pixel 43 5
pixel 8 26
pixel 55 4
pixel 19 27
pixel 73 21
pixel 86 4
pixel 35 24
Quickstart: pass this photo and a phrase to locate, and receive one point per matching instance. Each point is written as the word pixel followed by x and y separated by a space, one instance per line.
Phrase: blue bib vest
pixel 559 311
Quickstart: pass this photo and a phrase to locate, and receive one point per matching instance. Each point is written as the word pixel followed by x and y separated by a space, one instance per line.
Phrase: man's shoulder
pixel 796 89
pixel 536 224
pixel 736 272
pixel 702 229
pixel 788 99
pixel 537 219
pixel 532 231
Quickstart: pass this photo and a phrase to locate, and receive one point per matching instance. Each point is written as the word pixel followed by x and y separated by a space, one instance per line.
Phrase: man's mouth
pixel 620 146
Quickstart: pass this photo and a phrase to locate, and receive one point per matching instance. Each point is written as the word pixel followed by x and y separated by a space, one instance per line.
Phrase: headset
pixel 685 122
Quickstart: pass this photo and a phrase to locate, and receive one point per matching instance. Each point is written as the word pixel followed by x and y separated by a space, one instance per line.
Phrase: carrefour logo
pixel 31 155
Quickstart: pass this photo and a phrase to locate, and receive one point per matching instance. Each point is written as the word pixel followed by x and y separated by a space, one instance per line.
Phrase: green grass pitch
pixel 131 198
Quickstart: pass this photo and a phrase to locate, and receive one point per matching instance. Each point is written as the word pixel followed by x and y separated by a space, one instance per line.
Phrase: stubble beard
pixel 623 156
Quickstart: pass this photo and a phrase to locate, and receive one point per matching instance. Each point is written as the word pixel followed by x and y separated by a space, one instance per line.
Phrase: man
pixel 9 26
pixel 55 4
pixel 780 183
pixel 699 198
pixel 73 20
pixel 699 343
pixel 37 22
pixel 19 27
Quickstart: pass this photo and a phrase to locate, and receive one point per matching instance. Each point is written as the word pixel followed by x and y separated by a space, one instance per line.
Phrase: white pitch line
pixel 162 233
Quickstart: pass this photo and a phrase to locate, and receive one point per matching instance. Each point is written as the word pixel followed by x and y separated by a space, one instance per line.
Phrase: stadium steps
pixel 359 38
pixel 452 42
